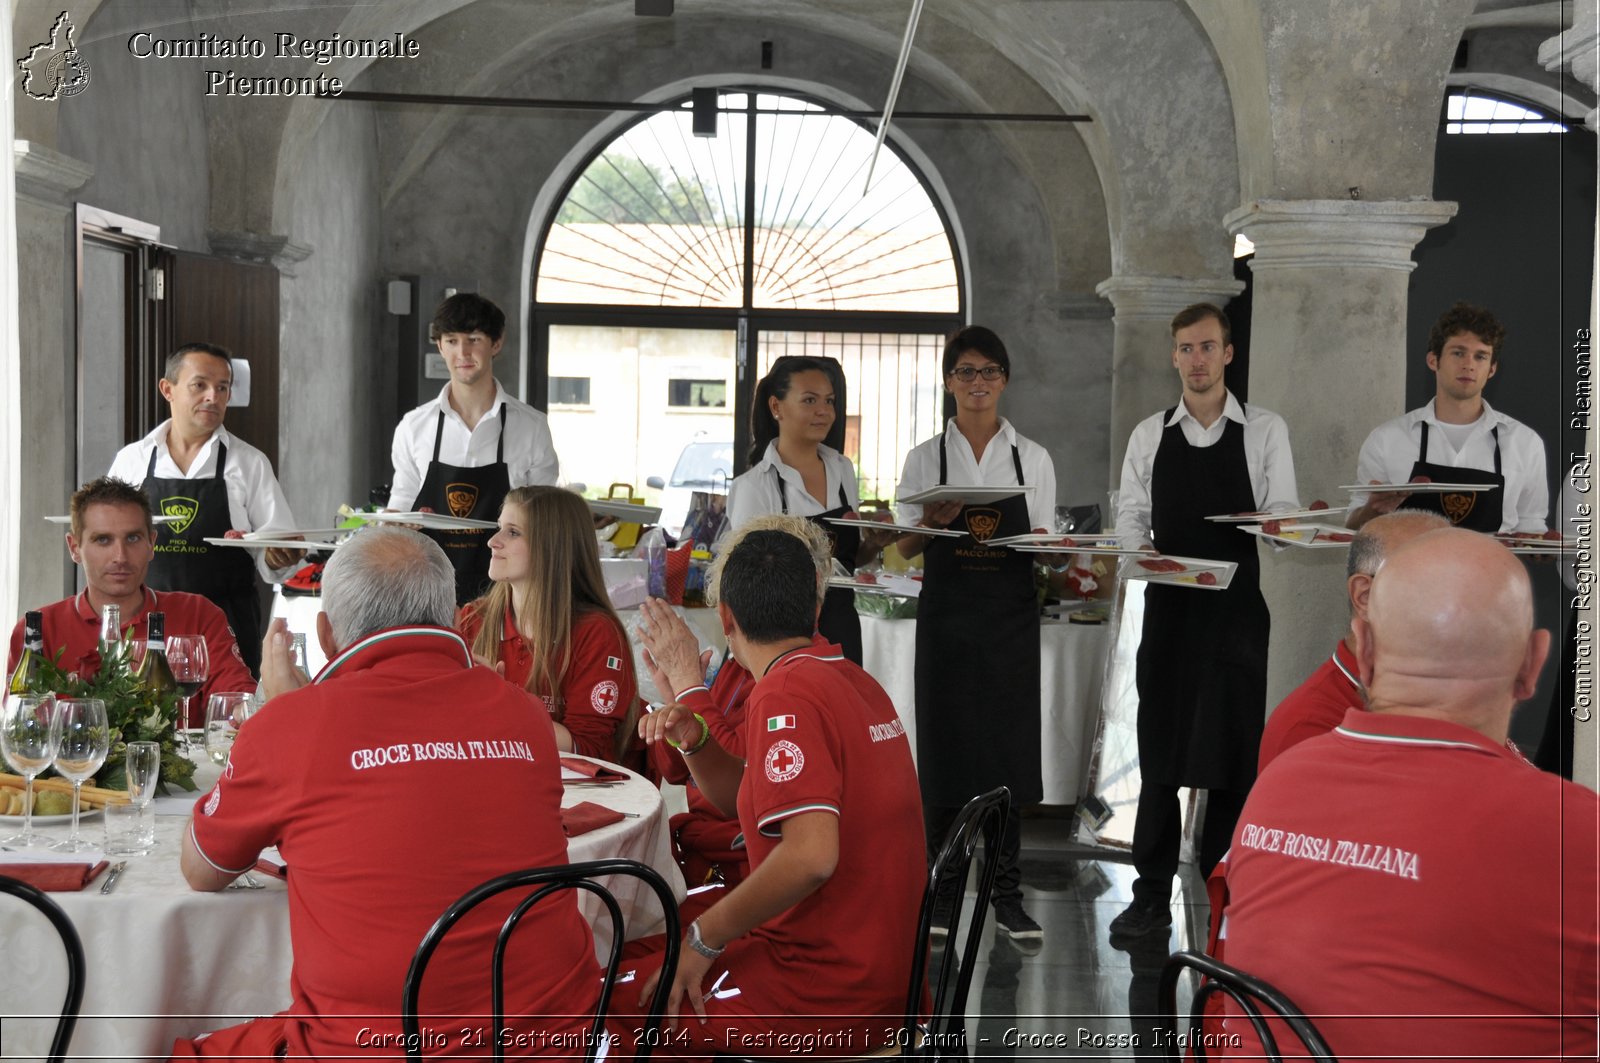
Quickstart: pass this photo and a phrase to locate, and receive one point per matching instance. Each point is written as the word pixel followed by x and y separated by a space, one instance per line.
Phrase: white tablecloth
pixel 166 961
pixel 1071 663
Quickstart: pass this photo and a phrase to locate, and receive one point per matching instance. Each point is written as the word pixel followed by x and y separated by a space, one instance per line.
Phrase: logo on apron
pixel 462 498
pixel 1458 507
pixel 184 509
pixel 982 523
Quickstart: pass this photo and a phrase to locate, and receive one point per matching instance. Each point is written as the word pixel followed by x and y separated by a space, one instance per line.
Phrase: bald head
pixel 383 578
pixel 1449 632
pixel 1378 538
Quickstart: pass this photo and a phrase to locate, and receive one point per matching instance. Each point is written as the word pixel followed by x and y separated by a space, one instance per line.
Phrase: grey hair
pixel 387 577
pixel 1367 549
pixel 807 531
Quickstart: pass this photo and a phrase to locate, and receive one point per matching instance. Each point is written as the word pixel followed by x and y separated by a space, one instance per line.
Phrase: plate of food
pixel 1528 544
pixel 903 529
pixel 1319 508
pixel 1312 536
pixel 878 583
pixel 636 513
pixel 432 521
pixel 49 806
pixel 1197 572
pixel 159 518
pixel 1419 487
pixel 270 542
pixel 972 493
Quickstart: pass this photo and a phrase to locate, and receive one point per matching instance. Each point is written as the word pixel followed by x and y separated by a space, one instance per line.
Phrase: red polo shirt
pixel 388 804
pixel 1314 707
pixel 73 627
pixel 1420 890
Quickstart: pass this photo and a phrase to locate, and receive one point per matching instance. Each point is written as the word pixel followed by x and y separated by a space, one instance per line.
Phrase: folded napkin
pixel 56 876
pixel 586 816
pixel 577 769
pixel 271 862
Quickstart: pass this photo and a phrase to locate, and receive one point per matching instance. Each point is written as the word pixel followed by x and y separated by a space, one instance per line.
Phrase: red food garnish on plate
pixel 1336 537
pixel 1206 579
pixel 1161 564
pixel 1319 504
pixel 1552 535
pixel 866 579
pixel 233 533
pixel 1273 527
pixel 424 509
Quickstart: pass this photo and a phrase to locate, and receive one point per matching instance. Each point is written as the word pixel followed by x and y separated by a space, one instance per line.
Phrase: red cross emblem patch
pixel 784 761
pixel 604 697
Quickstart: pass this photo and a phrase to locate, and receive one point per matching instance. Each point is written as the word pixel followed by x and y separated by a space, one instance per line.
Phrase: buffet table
pixel 166 961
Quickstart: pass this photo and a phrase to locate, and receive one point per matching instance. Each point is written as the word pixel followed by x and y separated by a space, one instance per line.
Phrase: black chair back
pixel 985 817
pixel 75 962
pixel 1245 990
pixel 544 881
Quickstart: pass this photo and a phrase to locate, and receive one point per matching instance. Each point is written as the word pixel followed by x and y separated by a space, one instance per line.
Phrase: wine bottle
pixel 32 658
pixel 154 673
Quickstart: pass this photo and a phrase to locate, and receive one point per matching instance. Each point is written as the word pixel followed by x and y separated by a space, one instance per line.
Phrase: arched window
pixel 1471 112
pixel 678 267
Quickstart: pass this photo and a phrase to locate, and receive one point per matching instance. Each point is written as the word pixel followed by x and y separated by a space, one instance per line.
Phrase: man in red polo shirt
pixel 1318 705
pixel 1405 879
pixel 371 775
pixel 111 538
pixel 811 954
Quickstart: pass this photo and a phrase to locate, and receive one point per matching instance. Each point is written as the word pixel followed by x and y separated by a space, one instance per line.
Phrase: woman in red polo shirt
pixel 548 622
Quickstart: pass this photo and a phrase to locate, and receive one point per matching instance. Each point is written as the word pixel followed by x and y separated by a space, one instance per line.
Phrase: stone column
pixel 1328 353
pixel 1142 378
pixel 47 323
pixel 1580 46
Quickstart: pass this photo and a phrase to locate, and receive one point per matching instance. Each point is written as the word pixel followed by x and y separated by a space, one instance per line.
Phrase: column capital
pixel 1336 233
pixel 46 175
pixel 267 249
pixel 1579 46
pixel 1144 296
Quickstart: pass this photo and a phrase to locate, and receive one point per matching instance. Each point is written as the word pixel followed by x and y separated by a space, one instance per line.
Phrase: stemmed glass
pixel 83 738
pixel 225 714
pixel 186 656
pixel 143 771
pixel 28 744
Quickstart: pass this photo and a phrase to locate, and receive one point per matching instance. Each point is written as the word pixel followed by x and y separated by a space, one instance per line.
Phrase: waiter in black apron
pixel 1201 668
pixel 977 667
pixel 461 453
pixel 207 483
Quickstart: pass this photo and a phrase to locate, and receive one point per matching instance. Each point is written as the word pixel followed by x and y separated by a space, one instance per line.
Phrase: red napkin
pixel 586 816
pixel 54 877
pixel 589 769
pixel 273 866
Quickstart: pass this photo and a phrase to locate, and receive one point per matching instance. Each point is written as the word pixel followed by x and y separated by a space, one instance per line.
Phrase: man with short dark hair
pixel 1458 438
pixel 462 452
pixel 817 939
pixel 1202 663
pixel 1406 879
pixel 370 772
pixel 209 482
pixel 111 540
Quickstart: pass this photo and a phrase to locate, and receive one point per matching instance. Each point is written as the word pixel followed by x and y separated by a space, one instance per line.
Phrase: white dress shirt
pixel 530 453
pixel 255 500
pixel 1392 448
pixel 1266 454
pixel 995 470
pixel 754 492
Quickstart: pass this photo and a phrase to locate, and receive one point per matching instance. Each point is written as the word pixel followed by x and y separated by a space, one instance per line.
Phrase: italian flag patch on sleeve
pixel 614 663
pixel 780 723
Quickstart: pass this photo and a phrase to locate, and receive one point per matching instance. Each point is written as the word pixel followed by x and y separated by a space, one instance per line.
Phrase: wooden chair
pixel 1248 992
pixel 76 966
pixel 543 882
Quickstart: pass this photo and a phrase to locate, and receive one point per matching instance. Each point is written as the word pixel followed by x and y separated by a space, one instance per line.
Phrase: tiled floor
pixel 1076 996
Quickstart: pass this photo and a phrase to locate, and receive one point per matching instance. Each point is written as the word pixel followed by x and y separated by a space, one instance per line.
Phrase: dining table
pixel 166 961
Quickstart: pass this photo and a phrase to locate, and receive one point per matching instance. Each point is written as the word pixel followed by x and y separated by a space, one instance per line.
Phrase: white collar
pixel 1006 432
pixel 1231 409
pixel 1489 418
pixel 500 396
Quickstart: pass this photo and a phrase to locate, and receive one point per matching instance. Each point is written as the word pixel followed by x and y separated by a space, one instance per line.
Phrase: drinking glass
pixel 191 667
pixel 83 739
pixel 28 746
pixel 225 714
pixel 142 771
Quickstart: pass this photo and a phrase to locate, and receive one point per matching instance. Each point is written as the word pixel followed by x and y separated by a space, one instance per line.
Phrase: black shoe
pixel 1145 915
pixel 1015 923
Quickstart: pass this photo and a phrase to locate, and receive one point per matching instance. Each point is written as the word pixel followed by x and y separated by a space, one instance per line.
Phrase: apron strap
pixel 500 448
pixel 222 458
pixel 942 465
pixel 150 470
pixel 1495 431
pixel 783 495
pixel 844 499
pixel 438 436
pixel 1016 459
pixel 1423 456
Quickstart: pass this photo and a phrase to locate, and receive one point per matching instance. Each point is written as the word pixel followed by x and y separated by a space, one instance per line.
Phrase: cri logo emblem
pixel 182 510
pixel 462 498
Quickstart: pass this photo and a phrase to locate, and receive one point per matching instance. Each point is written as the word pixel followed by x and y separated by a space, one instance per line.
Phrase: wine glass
pixel 142 770
pixel 225 714
pixel 28 744
pixel 83 738
pixel 186 656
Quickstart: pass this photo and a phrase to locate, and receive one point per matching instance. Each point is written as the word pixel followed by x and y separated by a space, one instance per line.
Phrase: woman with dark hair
pixel 794 471
pixel 977 670
pixel 548 622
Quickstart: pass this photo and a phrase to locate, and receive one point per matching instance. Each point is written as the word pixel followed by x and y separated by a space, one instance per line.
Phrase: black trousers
pixel 1158 835
pixel 1008 870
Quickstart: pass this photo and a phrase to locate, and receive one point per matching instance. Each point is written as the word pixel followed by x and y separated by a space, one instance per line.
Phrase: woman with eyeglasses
pixel 977 670
pixel 793 471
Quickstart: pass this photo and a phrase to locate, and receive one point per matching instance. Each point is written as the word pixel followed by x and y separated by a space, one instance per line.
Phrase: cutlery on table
pixel 113 876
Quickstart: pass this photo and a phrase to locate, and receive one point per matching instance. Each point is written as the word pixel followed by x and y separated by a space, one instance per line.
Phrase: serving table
pixel 166 961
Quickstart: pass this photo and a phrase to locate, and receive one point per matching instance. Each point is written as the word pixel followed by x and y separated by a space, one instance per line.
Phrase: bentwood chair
pixel 543 882
pixel 1249 993
pixel 75 961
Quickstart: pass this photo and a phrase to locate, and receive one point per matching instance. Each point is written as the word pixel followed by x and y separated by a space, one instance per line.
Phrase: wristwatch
pixel 698 943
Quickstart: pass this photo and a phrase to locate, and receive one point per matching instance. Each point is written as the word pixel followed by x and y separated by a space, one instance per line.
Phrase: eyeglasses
pixel 967 373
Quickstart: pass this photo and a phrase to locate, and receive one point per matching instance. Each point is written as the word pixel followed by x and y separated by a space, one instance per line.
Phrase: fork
pixel 247 881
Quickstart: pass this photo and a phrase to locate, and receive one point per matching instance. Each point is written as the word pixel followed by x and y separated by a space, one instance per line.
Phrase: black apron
pixel 977 671
pixel 1480 511
pixel 474 494
pixel 184 561
pixel 1201 669
pixel 838 622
